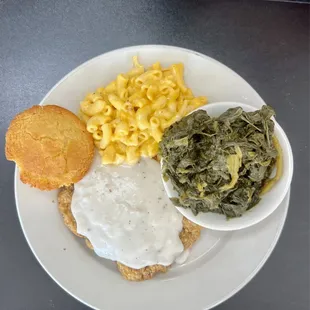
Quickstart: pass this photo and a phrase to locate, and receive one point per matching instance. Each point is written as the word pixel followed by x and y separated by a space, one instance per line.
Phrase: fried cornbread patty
pixel 189 235
pixel 50 145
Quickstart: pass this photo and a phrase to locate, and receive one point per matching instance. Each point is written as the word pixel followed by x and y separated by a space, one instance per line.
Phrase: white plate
pixel 220 264
pixel 269 202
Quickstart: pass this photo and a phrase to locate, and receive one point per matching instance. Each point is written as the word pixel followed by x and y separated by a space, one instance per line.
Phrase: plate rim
pixel 286 199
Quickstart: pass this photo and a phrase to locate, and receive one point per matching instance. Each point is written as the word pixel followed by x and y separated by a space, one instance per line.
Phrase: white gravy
pixel 126 214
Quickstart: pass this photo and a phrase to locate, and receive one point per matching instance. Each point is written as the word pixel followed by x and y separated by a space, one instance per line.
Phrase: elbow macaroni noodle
pixel 127 118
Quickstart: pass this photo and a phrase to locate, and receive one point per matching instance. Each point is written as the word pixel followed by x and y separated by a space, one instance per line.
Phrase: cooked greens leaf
pixel 220 164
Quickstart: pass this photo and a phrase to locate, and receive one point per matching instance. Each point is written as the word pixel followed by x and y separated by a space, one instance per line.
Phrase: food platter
pixel 95 281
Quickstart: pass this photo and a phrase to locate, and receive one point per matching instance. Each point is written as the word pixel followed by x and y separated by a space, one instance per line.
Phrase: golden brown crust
pixel 189 235
pixel 145 273
pixel 64 206
pixel 50 145
pixel 89 245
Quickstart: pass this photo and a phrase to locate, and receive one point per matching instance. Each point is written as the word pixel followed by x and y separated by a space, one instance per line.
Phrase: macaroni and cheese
pixel 127 118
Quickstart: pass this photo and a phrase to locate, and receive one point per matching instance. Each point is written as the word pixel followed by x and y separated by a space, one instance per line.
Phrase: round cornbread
pixel 50 145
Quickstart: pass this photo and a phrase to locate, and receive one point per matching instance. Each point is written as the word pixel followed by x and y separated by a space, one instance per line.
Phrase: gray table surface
pixel 265 42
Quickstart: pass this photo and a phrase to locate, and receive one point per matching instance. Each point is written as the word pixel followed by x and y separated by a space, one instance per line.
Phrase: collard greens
pixel 219 164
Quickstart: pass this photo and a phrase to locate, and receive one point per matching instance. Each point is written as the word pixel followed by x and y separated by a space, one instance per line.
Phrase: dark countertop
pixel 267 43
